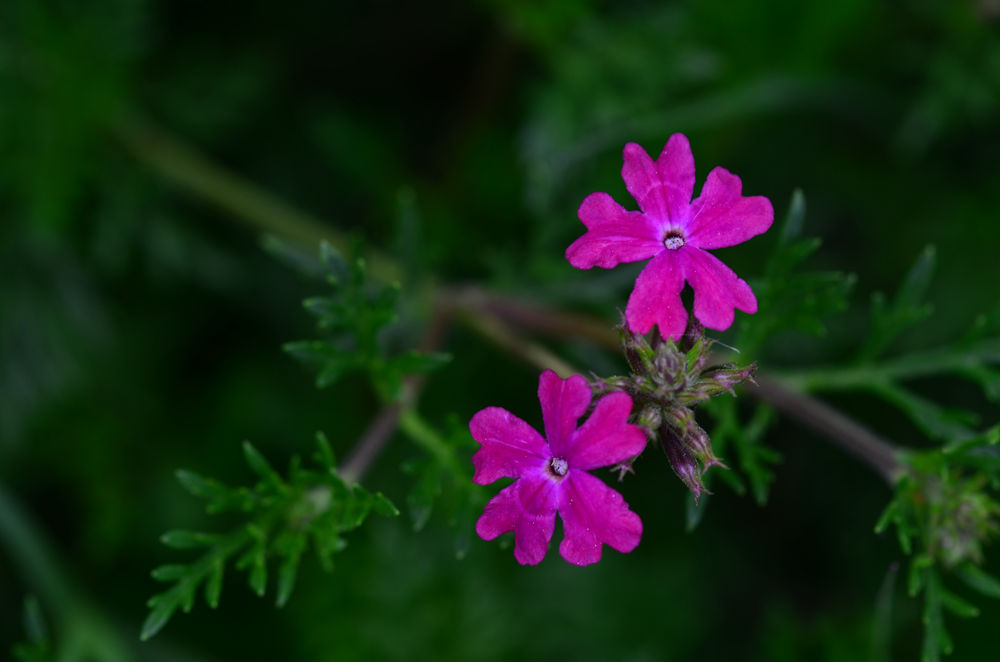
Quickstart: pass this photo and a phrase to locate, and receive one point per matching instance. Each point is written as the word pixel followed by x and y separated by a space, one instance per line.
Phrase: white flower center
pixel 558 466
pixel 673 241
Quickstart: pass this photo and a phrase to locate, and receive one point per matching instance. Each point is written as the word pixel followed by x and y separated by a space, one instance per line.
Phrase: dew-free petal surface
pixel 510 447
pixel 613 236
pixel 563 402
pixel 528 508
pixel 642 179
pixel 593 514
pixel 675 166
pixel 717 289
pixel 606 438
pixel 722 217
pixel 656 298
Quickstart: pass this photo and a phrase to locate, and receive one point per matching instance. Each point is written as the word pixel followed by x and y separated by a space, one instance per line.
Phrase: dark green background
pixel 140 327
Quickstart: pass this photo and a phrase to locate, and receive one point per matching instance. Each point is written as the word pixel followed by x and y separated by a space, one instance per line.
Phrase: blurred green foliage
pixel 141 325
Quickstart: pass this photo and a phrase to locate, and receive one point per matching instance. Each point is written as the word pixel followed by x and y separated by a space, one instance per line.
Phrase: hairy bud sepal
pixel 668 379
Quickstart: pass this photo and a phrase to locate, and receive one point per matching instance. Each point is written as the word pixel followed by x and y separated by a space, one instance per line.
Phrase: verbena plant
pixel 678 396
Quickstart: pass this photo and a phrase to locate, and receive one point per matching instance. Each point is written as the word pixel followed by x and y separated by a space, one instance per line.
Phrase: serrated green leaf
pixel 978 580
pixel 984 440
pixel 918 574
pixel 290 547
pixel 254 560
pixel 906 309
pixel 199 486
pixel 327 542
pixel 213 586
pixel 185 595
pixel 957 605
pixel 324 453
pixel 260 466
pixel 170 572
pixel 888 515
pixel 383 506
pixel 158 616
pixel 331 313
pixel 180 539
pixel 356 509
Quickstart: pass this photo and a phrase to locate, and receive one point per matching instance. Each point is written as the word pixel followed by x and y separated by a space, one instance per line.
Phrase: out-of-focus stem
pixel 515 344
pixel 188 169
pixel 855 439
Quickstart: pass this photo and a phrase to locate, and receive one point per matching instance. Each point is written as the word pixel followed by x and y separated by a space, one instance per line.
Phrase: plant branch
pixel 855 439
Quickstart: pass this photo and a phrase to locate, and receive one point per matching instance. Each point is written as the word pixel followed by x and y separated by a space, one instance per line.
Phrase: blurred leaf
pixel 906 309
pixel 979 580
pixel 789 298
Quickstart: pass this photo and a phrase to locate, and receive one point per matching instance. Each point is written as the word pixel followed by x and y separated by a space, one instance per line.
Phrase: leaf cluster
pixel 943 512
pixel 442 483
pixel 353 318
pixel 789 298
pixel 282 519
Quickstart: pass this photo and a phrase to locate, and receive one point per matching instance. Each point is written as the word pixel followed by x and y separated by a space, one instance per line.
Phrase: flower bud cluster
pixel 668 379
pixel 963 517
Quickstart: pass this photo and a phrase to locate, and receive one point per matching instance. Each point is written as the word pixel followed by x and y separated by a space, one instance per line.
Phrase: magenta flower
pixel 675 231
pixel 552 475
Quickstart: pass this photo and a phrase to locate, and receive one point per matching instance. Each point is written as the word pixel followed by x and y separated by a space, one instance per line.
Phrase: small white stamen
pixel 559 466
pixel 673 242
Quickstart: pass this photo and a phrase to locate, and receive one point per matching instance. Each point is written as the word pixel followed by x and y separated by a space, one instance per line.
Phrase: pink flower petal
pixel 721 216
pixel 606 438
pixel 613 235
pixel 717 290
pixel 510 447
pixel 528 508
pixel 642 179
pixel 563 401
pixel 676 168
pixel 656 298
pixel 593 514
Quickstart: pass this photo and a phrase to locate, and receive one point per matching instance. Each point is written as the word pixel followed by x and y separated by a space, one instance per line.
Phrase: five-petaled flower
pixel 552 476
pixel 675 231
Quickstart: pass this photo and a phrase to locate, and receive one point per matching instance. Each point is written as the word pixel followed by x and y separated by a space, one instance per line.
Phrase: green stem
pixel 192 172
pixel 911 366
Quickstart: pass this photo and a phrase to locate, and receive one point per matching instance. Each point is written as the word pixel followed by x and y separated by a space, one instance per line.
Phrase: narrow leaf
pixel 171 572
pixel 260 465
pixel 978 580
pixel 161 612
pixel 957 605
pixel 179 539
pixel 213 587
